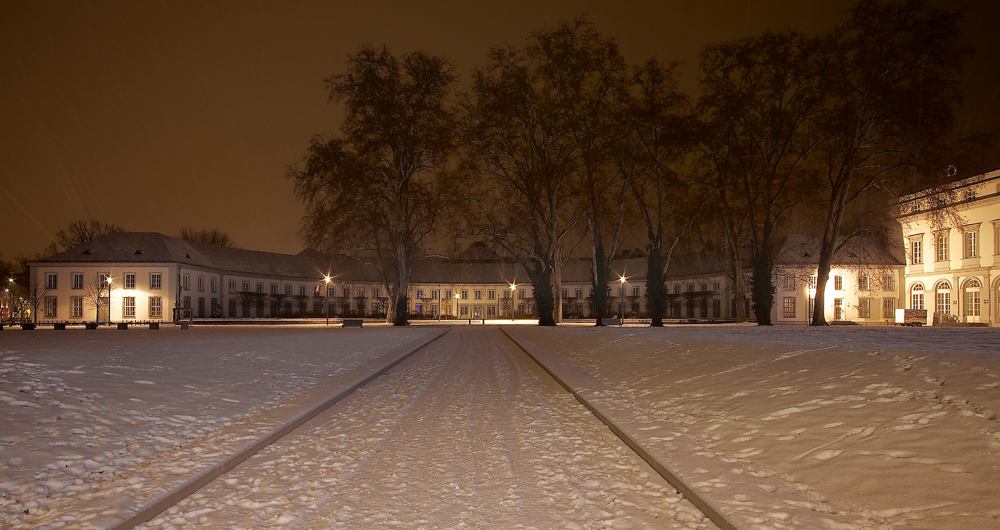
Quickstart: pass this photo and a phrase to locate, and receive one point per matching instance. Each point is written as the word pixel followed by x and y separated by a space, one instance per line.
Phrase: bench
pixel 612 321
pixel 353 323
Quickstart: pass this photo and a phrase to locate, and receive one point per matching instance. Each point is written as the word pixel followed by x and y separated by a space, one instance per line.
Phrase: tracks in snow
pixel 469 433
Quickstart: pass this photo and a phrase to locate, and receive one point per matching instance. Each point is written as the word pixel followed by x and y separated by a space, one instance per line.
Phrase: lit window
pixel 972 244
pixel 130 280
pixel 51 302
pixel 156 307
pixel 917 297
pixel 916 251
pixel 813 280
pixel 888 307
pixel 76 307
pixel 128 307
pixel 156 281
pixel 789 307
pixel 941 245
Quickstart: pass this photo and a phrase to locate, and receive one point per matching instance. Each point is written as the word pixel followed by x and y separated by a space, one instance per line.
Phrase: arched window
pixel 942 297
pixel 917 296
pixel 972 297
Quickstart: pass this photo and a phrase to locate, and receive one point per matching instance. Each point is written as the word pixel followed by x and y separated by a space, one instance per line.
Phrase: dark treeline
pixel 559 147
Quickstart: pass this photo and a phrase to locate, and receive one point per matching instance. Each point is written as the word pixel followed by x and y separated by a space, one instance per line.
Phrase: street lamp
pixel 621 295
pixel 109 299
pixel 512 287
pixel 327 280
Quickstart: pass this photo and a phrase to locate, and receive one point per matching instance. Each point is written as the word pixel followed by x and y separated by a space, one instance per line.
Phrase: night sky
pixel 159 115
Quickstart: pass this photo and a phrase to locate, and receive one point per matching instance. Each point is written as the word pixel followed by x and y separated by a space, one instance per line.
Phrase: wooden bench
pixel 612 321
pixel 353 323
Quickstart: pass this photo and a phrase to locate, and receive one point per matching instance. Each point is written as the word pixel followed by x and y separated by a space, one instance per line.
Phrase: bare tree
pixel 35 292
pixel 894 77
pixel 759 100
pixel 209 237
pixel 520 136
pixel 80 232
pixel 378 192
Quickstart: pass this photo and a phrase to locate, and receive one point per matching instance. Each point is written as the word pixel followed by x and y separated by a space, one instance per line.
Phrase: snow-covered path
pixel 466 434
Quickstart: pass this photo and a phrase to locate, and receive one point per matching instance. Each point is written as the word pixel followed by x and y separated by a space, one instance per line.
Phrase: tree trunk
pixel 656 288
pixel 739 288
pixel 763 298
pixel 601 274
pixel 557 284
pixel 541 283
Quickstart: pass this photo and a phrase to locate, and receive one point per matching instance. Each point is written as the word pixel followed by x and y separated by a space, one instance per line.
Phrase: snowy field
pixel 874 427
pixel 92 423
pixel 886 427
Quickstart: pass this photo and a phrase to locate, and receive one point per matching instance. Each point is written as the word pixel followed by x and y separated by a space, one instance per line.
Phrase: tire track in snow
pixel 468 433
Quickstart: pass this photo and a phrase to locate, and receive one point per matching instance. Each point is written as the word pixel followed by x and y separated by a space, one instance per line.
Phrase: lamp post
pixel 109 299
pixel 512 287
pixel 621 296
pixel 327 280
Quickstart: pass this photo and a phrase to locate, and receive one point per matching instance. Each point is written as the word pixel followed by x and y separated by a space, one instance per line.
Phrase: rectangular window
pixel 155 280
pixel 789 283
pixel 506 294
pixel 465 294
pixel 156 307
pixel 420 294
pixel 996 233
pixel 888 308
pixel 715 287
pixel 491 294
pixel 520 295
pixel 838 283
pixel 447 294
pixel 789 306
pixel 331 292
pixel 78 280
pixel 201 284
pixel 50 306
pixel 215 285
pixel 716 308
pixel 479 294
pixel 260 288
pixel 288 290
pixel 376 293
pixel 130 280
pixel 465 311
pixel 232 290
pixel 302 290
pixel 972 303
pixel 917 300
pixel 52 280
pixel 187 302
pixel 274 288
pixel 972 244
pixel 916 251
pixel 76 307
pixel 677 289
pixel 434 293
pixel 889 282
pixel 579 293
pixel 941 245
pixel 703 287
pixel 246 287
pixel 187 282
pixel 813 281
pixel 635 291
pixel 864 308
pixel 128 307
pixel 863 283
pixel 690 287
pixel 838 309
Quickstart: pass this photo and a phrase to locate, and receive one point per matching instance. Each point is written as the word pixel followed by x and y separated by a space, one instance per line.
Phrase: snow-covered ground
pixel 93 423
pixel 887 427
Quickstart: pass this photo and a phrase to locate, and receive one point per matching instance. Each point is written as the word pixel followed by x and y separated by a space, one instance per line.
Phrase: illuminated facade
pixel 952 241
